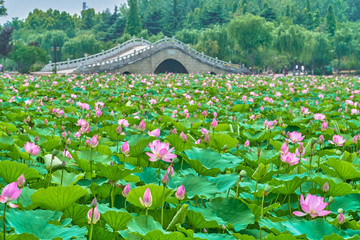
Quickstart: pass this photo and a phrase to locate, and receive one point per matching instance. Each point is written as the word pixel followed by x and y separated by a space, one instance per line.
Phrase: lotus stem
pixel 162 207
pixel 262 206
pixel 62 176
pixel 255 189
pixel 91 179
pixel 91 224
pixel 125 204
pixel 289 206
pixel 4 220
pixel 29 159
pixel 159 172
pixel 112 194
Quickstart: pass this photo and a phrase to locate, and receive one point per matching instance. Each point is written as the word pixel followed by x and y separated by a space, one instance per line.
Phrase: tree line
pixel 262 34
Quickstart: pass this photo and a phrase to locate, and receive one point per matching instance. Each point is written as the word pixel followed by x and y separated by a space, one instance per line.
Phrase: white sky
pixel 21 8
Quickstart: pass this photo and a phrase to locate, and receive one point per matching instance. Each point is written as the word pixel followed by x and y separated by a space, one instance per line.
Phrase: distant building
pixel 84 6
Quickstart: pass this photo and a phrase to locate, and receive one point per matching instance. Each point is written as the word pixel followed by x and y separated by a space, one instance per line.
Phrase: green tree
pixel 268 12
pixel 343 45
pixel 331 20
pixel 5 42
pixel 290 42
pixel 80 45
pixel 321 53
pixel 26 56
pixel 250 33
pixel 153 20
pixel 88 18
pixel 317 19
pixel 213 12
pixel 2 8
pixel 133 24
pixel 49 38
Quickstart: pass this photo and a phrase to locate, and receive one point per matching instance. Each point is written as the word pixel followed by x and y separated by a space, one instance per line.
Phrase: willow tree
pixel 290 41
pixel 250 33
pixel 2 8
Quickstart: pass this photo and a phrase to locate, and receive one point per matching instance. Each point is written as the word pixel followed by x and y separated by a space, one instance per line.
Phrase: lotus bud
pixel 180 193
pixel 355 139
pixel 205 230
pixel 170 171
pixel 55 152
pixel 301 148
pixel 68 141
pixel 62 128
pixel 126 191
pixel 94 142
pixel 183 137
pixel 36 138
pixel 325 188
pixel 125 149
pixel 45 121
pixel 63 135
pixel 142 126
pixel 63 164
pixel 21 181
pixel 165 179
pixel 321 140
pixel 54 126
pixel 94 203
pixel 111 163
pixel 146 201
pixel 258 152
pixel 338 152
pixel 324 126
pixel 341 218
pixel 247 144
pixel 95 217
pixel 87 142
pixel 207 139
pixel 331 199
pixel 223 227
pixel 214 123
pixel 118 130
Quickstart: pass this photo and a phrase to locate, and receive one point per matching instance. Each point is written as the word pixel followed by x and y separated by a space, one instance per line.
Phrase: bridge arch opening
pixel 170 66
pixel 126 73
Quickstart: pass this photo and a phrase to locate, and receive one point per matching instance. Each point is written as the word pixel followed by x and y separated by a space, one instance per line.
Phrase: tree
pixel 133 24
pixel 268 12
pixel 2 8
pixel 5 42
pixel 321 52
pixel 26 56
pixel 88 18
pixel 343 41
pixel 290 41
pixel 213 13
pixel 317 19
pixel 353 10
pixel 250 33
pixel 331 20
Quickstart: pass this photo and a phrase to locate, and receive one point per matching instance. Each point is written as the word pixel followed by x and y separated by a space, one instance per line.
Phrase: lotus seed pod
pixel 268 188
pixel 243 173
pixel 331 199
pixel 340 210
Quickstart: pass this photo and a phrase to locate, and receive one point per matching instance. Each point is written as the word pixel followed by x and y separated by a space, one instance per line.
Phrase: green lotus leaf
pixel 337 188
pixel 225 182
pixel 198 186
pixel 143 225
pixel 77 213
pixel 156 193
pixel 64 178
pixel 100 233
pixel 345 170
pixel 114 172
pixel 58 198
pixel 315 229
pixel 260 171
pixel 347 203
pixel 117 220
pixel 178 218
pixel 94 156
pixel 221 141
pixel 287 184
pixel 203 218
pixel 225 208
pixel 51 143
pixel 37 223
pixel 11 171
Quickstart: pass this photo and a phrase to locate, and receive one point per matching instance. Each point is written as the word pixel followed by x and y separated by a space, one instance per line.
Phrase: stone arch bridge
pixel 143 57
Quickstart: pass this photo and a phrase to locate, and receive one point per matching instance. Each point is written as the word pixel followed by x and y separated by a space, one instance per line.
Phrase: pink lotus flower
pixel 154 133
pixel 284 149
pixel 160 151
pixel 147 199
pixel 125 149
pixel 180 193
pixel 82 122
pixel 67 154
pixel 123 122
pixel 94 142
pixel 290 158
pixel 295 137
pixel 247 144
pixel 319 116
pixel 204 131
pixel 126 190
pixel 31 148
pixel 10 193
pixel 312 205
pixel 95 217
pixel 337 140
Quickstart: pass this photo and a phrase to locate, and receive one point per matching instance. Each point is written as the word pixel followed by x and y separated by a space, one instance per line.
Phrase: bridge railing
pixel 136 55
pixel 71 64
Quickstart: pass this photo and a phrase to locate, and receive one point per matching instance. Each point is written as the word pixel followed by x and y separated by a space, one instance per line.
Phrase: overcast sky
pixel 21 8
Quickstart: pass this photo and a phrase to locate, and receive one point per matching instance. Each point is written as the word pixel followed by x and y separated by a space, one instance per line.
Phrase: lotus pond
pixel 179 157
